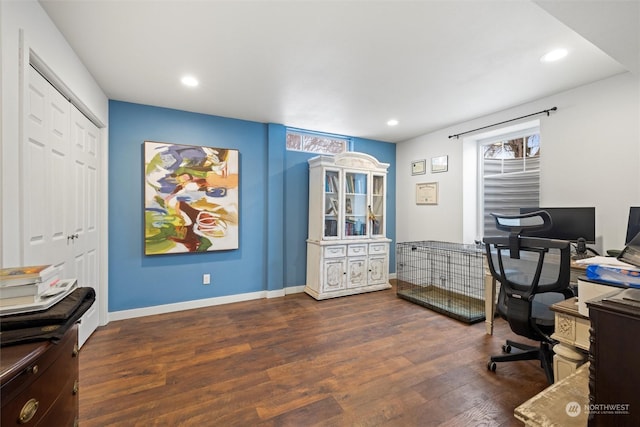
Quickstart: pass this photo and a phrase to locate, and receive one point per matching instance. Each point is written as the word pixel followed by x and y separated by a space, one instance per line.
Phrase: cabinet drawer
pixel 22 365
pixel 40 390
pixel 378 248
pixel 357 250
pixel 65 411
pixel 335 251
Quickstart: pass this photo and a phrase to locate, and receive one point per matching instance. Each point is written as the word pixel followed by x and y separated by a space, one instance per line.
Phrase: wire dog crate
pixel 442 276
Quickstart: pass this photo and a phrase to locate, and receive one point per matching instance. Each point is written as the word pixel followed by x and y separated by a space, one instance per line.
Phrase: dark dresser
pixel 39 383
pixel 614 375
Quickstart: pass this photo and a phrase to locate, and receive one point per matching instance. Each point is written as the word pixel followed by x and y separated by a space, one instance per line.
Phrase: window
pixel 509 176
pixel 316 143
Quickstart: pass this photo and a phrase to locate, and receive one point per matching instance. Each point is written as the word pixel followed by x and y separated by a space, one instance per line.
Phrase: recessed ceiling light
pixel 189 81
pixel 554 55
pixel 392 122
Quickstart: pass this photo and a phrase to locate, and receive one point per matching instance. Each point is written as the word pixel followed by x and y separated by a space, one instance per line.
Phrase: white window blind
pixel 510 178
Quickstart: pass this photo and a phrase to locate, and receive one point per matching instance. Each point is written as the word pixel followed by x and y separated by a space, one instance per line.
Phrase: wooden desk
pixel 562 404
pixel 577 270
pixel 489 302
pixel 490 285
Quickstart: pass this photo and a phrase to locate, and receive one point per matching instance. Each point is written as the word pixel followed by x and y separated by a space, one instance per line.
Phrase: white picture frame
pixel 418 167
pixel 427 193
pixel 439 164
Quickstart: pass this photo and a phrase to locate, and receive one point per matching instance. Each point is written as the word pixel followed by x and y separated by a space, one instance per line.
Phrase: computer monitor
pixel 633 225
pixel 568 223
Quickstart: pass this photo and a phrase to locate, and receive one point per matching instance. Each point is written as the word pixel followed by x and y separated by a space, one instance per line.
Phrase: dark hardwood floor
pixel 364 360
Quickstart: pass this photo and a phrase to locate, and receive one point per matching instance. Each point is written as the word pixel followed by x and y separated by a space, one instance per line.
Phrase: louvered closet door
pixel 60 182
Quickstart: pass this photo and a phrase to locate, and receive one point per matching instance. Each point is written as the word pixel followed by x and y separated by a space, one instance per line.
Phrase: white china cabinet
pixel 347 247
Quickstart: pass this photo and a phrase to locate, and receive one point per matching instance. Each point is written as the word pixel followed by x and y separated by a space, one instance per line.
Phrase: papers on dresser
pixel 44 300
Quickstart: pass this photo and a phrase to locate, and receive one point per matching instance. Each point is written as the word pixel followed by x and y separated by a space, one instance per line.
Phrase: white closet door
pixel 83 223
pixel 45 184
pixel 60 183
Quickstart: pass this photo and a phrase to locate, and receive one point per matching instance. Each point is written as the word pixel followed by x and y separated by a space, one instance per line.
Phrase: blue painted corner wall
pixel 273 209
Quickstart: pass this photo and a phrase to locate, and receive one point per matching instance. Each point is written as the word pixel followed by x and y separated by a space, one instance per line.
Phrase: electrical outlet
pixel 206 279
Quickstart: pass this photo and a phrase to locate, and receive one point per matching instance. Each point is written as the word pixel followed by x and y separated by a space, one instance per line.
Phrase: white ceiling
pixel 346 67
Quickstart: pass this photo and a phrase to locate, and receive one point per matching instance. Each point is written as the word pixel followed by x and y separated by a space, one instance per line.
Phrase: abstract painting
pixel 191 198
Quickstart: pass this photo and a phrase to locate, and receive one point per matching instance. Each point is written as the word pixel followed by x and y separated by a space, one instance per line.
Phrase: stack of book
pixel 26 285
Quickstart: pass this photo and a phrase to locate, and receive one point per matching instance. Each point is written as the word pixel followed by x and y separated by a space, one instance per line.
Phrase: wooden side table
pixel 572 333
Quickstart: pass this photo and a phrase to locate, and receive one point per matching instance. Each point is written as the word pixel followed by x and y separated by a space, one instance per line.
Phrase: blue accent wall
pixel 296 217
pixel 273 209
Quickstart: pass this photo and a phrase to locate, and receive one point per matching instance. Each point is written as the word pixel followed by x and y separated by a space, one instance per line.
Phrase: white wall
pixel 590 157
pixel 25 26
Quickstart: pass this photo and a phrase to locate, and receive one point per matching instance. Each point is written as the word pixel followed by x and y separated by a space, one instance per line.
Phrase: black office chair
pixel 533 274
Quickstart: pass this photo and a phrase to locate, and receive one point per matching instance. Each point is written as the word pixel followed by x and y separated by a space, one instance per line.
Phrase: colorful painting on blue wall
pixel 191 198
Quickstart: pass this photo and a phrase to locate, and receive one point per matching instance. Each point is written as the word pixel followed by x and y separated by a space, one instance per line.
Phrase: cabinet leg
pixel 566 360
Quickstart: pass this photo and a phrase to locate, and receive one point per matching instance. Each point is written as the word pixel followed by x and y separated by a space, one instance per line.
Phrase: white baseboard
pixel 294 290
pixel 286 291
pixel 208 302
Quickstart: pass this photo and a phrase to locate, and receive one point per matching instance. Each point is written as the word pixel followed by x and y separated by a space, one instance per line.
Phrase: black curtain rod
pixel 506 121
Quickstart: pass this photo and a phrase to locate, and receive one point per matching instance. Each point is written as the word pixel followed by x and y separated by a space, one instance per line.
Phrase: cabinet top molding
pixel 349 159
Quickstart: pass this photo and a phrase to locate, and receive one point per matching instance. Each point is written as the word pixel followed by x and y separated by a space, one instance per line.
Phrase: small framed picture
pixel 439 164
pixel 427 193
pixel 418 167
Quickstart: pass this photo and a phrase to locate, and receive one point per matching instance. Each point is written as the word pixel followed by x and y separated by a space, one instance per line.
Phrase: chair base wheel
pixel 491 366
pixel 506 348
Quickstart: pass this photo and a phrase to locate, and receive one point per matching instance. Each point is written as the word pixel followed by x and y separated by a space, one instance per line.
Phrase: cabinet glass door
pixel 331 203
pixel 355 204
pixel 376 209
